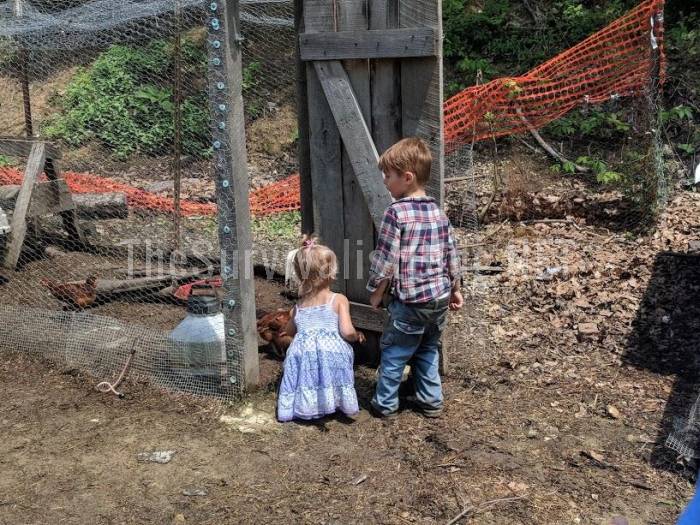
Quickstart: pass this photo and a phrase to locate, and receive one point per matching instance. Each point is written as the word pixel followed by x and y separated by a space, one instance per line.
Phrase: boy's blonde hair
pixel 410 154
pixel 315 266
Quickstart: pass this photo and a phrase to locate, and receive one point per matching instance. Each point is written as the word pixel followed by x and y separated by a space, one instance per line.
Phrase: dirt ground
pixel 561 387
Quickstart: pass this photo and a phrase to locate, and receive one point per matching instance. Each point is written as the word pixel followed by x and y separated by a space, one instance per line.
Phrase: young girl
pixel 318 376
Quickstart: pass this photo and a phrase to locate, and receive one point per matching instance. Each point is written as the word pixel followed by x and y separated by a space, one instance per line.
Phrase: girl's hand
pixel 361 338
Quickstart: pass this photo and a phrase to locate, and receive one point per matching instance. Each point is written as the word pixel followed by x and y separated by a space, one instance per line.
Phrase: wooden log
pixel 365 44
pixel 110 287
pixel 20 147
pixel 8 195
pixel 111 205
pixel 54 196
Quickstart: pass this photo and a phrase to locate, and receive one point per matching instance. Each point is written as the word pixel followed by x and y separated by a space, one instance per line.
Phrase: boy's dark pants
pixel 413 333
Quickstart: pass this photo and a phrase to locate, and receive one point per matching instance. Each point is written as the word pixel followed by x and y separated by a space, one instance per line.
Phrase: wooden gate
pixel 370 74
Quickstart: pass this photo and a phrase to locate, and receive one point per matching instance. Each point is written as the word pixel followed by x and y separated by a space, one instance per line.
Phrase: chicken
pixel 271 328
pixel 75 295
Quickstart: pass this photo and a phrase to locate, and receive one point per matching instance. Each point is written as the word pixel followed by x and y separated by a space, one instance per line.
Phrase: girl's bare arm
pixel 291 328
pixel 347 330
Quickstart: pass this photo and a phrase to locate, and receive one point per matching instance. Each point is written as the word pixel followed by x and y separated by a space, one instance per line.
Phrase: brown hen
pixel 76 295
pixel 271 328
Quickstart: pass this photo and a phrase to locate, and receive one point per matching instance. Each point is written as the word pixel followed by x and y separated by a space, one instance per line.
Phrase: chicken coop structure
pixel 111 102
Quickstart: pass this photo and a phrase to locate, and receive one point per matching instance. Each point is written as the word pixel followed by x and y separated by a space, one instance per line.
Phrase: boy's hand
pixel 375 299
pixel 456 300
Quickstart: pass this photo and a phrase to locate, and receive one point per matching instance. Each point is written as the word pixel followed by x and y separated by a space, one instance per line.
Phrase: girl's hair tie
pixel 309 243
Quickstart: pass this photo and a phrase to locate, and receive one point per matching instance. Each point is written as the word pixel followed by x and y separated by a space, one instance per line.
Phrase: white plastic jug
pixel 198 341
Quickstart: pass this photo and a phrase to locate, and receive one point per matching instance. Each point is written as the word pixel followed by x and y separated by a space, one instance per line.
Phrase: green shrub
pixel 121 101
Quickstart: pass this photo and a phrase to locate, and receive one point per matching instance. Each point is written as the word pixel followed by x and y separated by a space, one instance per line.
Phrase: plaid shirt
pixel 416 248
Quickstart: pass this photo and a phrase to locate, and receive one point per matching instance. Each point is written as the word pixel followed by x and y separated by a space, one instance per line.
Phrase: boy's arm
pixel 454 269
pixel 454 264
pixel 385 258
pixel 375 299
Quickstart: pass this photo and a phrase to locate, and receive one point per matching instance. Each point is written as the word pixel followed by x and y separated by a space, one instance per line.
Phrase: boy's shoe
pixel 423 410
pixel 429 412
pixel 381 415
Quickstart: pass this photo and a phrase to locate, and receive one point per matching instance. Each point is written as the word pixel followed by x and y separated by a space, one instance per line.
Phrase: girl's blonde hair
pixel 315 265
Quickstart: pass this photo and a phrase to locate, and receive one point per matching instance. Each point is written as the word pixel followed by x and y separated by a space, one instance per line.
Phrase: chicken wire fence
pixel 133 98
pixel 127 93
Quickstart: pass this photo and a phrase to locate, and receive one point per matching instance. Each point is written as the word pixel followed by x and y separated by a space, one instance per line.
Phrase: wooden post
pixel 421 90
pixel 177 122
pixel 303 153
pixel 324 144
pixel 359 229
pixel 23 56
pixel 230 163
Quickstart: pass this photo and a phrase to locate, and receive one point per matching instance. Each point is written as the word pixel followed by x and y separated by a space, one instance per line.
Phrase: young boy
pixel 416 256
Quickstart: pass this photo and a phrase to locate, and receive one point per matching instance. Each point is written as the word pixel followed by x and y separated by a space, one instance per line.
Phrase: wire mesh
pixel 136 99
pixel 130 94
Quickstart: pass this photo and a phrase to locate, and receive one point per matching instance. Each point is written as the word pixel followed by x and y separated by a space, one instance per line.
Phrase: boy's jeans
pixel 413 331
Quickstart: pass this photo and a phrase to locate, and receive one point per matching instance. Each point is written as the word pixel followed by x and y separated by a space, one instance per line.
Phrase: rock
pixel 179 518
pixel 549 274
pixel 162 186
pixel 517 486
pixel 158 456
pixel 613 412
pixel 194 491
pixel 588 329
pixel 250 421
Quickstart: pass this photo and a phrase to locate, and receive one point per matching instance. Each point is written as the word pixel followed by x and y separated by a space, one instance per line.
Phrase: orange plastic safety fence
pixel 274 198
pixel 616 61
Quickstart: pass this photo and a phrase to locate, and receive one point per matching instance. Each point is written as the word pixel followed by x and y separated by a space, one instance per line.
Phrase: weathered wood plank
pixel 50 197
pixel 234 213
pixel 303 150
pixel 324 146
pixel 386 81
pixel 356 136
pixel 35 165
pixel 359 228
pixel 364 317
pixel 69 217
pixel 421 90
pixel 16 147
pixel 422 99
pixel 392 43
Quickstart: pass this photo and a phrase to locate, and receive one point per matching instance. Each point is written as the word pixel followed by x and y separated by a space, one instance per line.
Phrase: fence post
pixel 231 171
